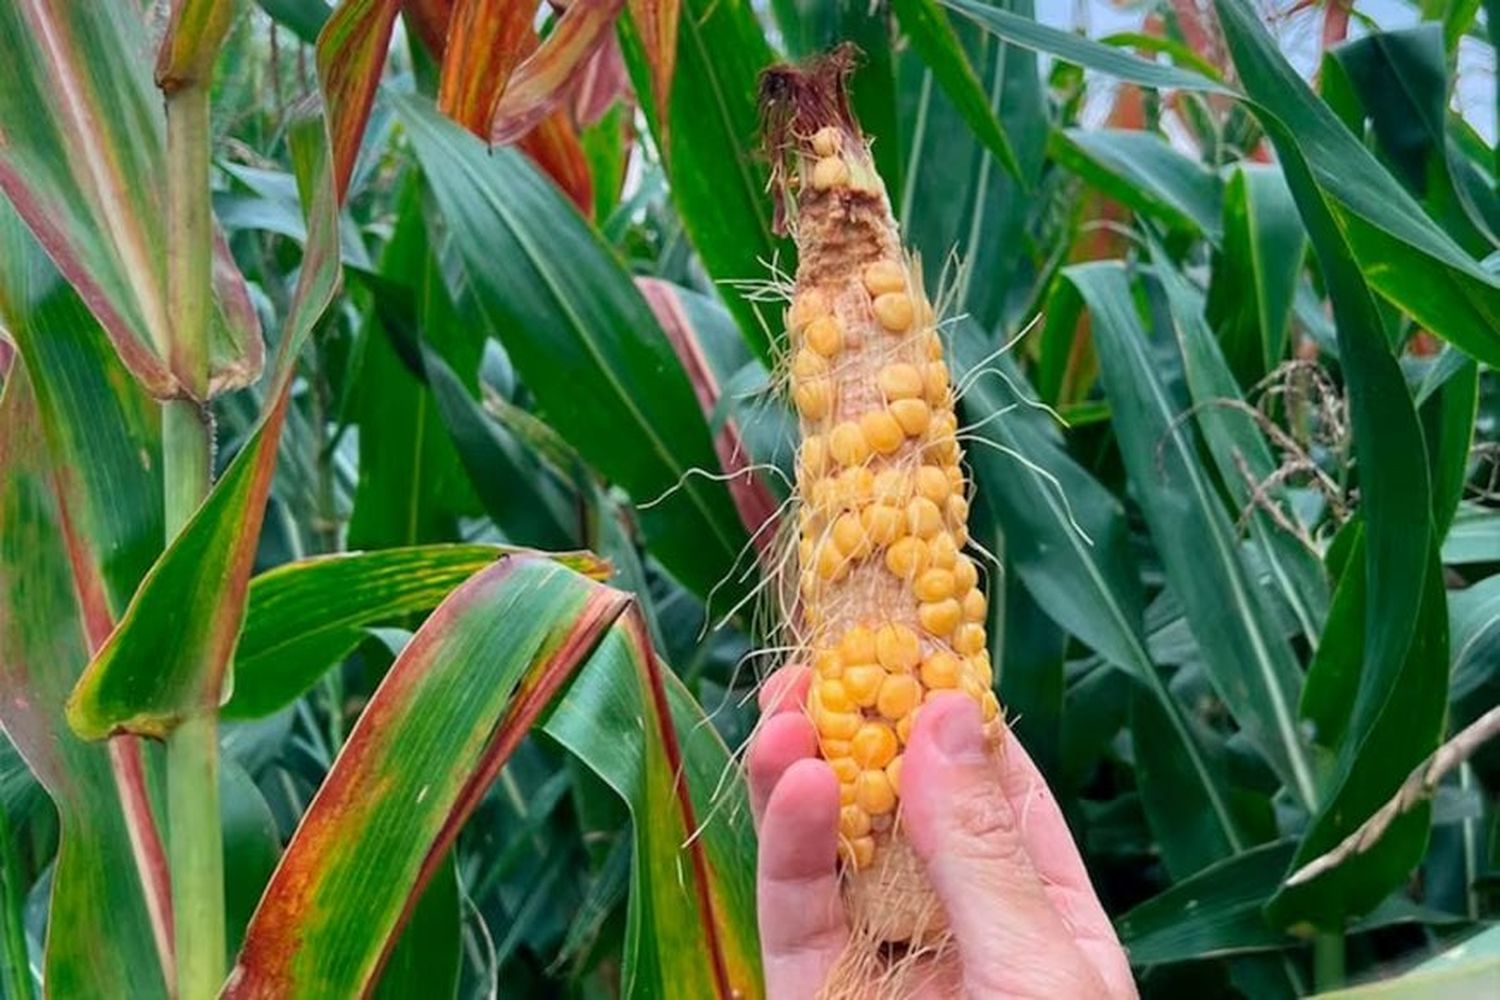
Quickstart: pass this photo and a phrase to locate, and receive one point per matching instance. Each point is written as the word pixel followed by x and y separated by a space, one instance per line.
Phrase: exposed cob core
pixel 890 606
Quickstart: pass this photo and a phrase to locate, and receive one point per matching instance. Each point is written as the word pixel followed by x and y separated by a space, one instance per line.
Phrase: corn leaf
pixel 1142 171
pixel 542 80
pixel 170 652
pixel 585 341
pixel 656 23
pixel 484 42
pixel 194 34
pixel 711 154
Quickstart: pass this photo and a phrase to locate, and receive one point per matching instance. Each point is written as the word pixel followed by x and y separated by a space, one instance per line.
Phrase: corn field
pixel 440 438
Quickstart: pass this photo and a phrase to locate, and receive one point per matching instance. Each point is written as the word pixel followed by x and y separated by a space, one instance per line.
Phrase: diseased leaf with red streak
pixel 542 80
pixel 455 704
pixel 350 54
pixel 83 159
pixel 554 147
pixel 429 19
pixel 756 505
pixel 486 40
pixel 656 23
pixel 604 81
pixel 194 34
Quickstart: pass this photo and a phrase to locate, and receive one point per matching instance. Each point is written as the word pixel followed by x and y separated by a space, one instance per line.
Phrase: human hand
pixel 1024 918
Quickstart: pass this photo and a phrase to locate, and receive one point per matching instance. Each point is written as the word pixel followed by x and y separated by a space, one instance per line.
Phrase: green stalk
pixel 14 962
pixel 1328 961
pixel 195 840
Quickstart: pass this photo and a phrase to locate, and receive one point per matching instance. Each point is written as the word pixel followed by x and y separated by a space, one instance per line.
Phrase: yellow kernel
pixel 904 724
pixel 857 645
pixel 896 647
pixel 944 551
pixel 808 306
pixel 956 477
pixel 849 535
pixel 813 456
pixel 826 141
pixel 923 518
pixel 965 574
pixel 893 311
pixel 807 365
pixel 883 523
pixel 882 431
pixel 844 767
pixel 968 638
pixel 832 696
pixel 814 398
pixel 958 510
pixel 907 557
pixel 899 694
pixel 874 793
pixel 823 495
pixel 855 487
pixel 831 564
pixel 940 617
pixel 979 666
pixel 990 705
pixel 974 605
pixel 934 342
pixel 830 172
pixel 874 745
pixel 936 379
pixel 885 276
pixel 933 585
pixel 847 444
pixel 828 664
pixel 933 484
pixel 853 822
pixel 846 796
pixel 863 681
pixel 893 772
pixel 838 725
pixel 892 486
pixel 914 416
pixel 859 852
pixel 969 685
pixel 824 336
pixel 941 670
pixel 900 381
pixel 833 749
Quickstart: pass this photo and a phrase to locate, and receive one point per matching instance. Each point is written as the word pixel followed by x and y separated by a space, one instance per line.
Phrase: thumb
pixel 957 817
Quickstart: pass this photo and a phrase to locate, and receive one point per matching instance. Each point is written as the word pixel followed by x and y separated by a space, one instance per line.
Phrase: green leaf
pixel 1471 968
pixel 1142 171
pixel 585 342
pixel 1246 656
pixel 1474 621
pixel 712 158
pixel 428 954
pixel 1448 418
pixel 251 848
pixel 933 38
pixel 83 160
pixel 304 616
pixel 1255 273
pixel 1473 537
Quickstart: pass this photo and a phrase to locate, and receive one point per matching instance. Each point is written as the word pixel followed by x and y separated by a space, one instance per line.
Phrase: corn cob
pixel 891 611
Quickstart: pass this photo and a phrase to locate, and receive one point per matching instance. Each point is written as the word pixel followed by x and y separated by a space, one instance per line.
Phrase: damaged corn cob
pixel 891 608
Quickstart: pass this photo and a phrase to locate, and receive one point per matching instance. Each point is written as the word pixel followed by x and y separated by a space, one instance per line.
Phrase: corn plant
pixel 423 425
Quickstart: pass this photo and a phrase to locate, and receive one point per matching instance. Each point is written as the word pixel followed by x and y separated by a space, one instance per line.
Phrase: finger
pixel 802 928
pixel 1054 855
pixel 780 742
pixel 1011 940
pixel 785 689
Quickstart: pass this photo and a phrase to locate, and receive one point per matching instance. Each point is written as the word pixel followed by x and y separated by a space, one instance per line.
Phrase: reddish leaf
pixel 192 41
pixel 350 53
pixel 429 19
pixel 487 40
pixel 540 82
pixel 656 23
pixel 603 81
pixel 554 147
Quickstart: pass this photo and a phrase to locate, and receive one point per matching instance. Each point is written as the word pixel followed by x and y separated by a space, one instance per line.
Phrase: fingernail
pixel 960 738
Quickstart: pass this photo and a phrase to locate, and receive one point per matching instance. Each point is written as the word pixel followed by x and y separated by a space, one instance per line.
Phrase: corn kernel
pixel 896 647
pixel 932 483
pixel 899 694
pixel 979 666
pixel 874 793
pixel 847 444
pixel 813 456
pixel 833 697
pixel 933 585
pixel 943 550
pixel 969 685
pixel 990 705
pixel 824 336
pixel 831 563
pixel 853 822
pixel 965 574
pixel 968 638
pixel 883 523
pixel 936 380
pixel 884 276
pixel 859 852
pixel 882 431
pixel 806 307
pixel 838 725
pixel 863 681
pixel 814 398
pixel 846 794
pixel 826 141
pixel 893 773
pixel 855 487
pixel 893 311
pixel 913 415
pixel 857 646
pixel 940 671
pixel 843 765
pixel 828 664
pixel 900 380
pixel 830 172
pixel 907 557
pixel 849 535
pixel 934 342
pixel 958 510
pixel 923 518
pixel 904 724
pixel 874 745
pixel 974 605
pixel 940 617
pixel 956 477
pixel 808 364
